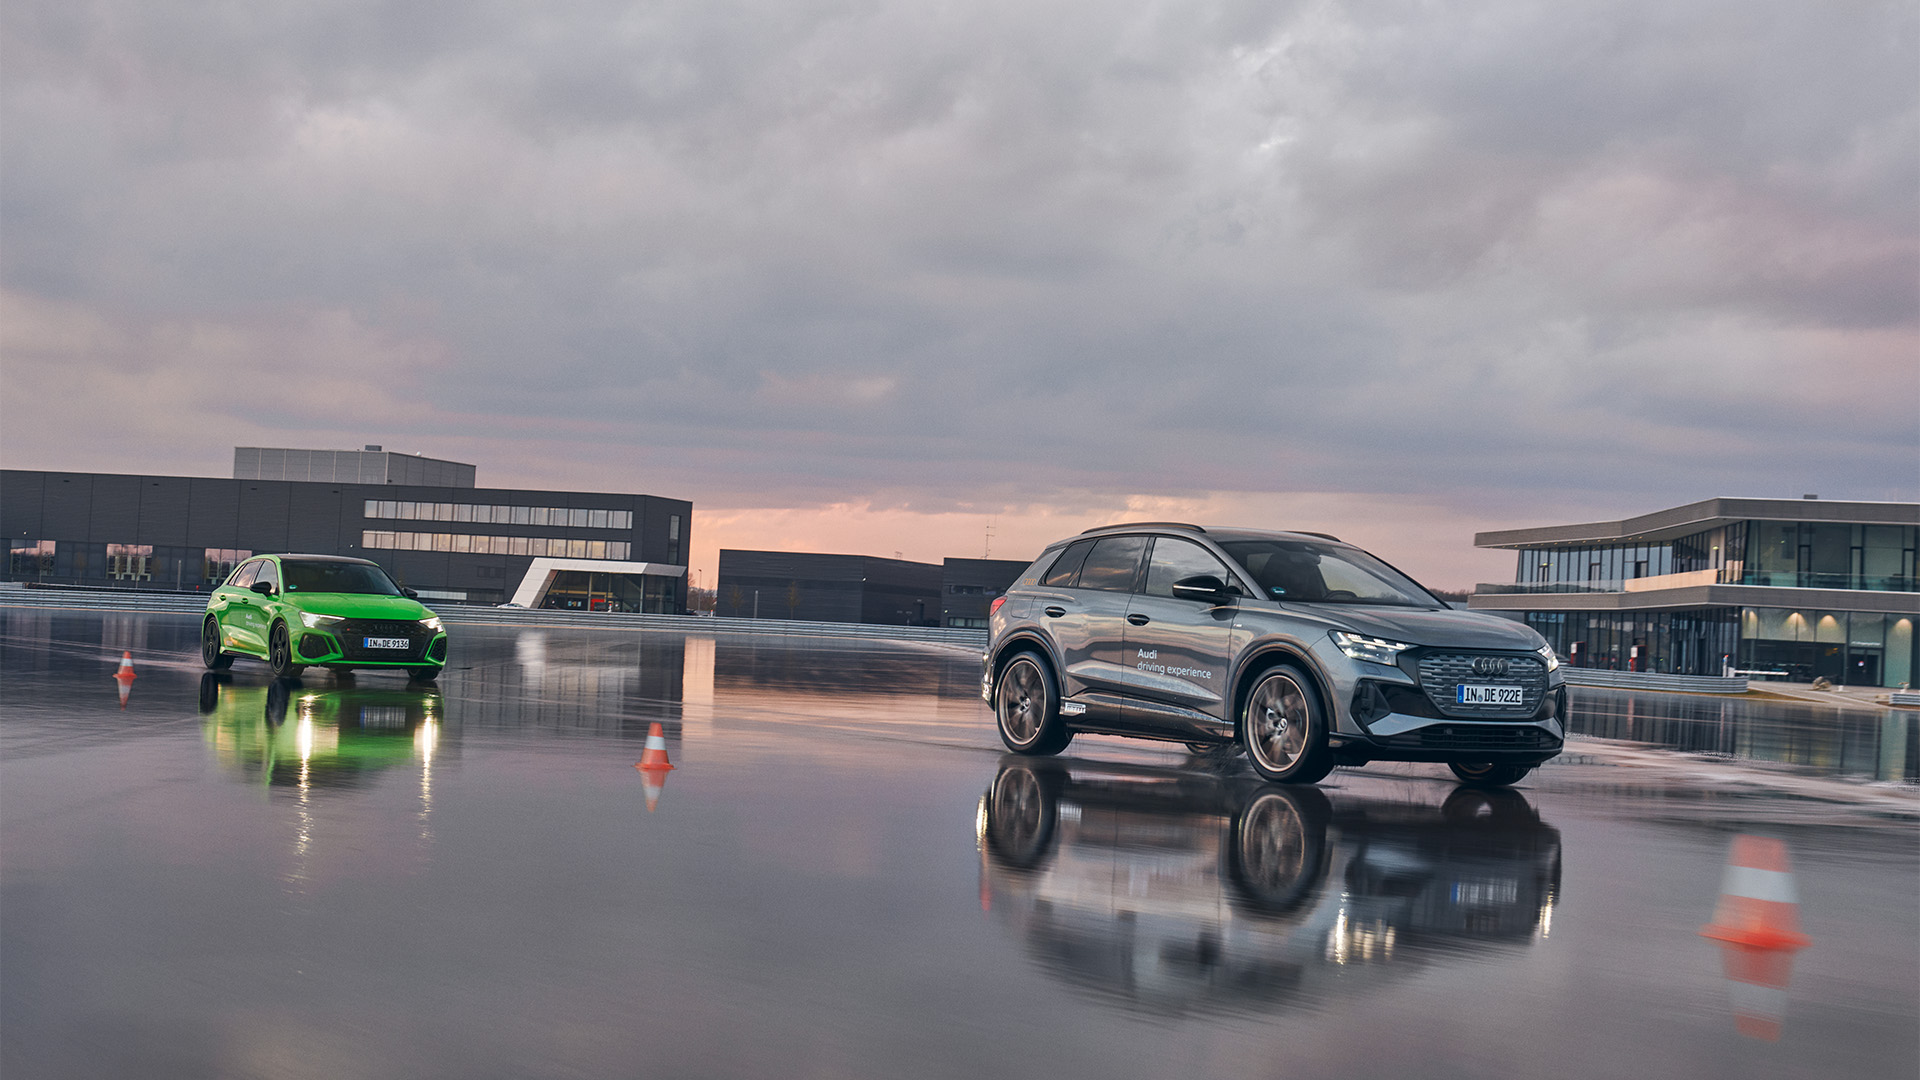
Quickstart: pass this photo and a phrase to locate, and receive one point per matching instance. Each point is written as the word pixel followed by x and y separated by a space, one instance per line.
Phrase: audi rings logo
pixel 1489 665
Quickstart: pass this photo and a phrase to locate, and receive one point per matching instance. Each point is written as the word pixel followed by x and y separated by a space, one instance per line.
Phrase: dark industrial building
pixel 450 542
pixel 968 588
pixel 1787 588
pixel 827 588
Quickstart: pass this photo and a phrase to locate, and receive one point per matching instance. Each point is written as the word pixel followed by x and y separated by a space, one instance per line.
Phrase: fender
pixel 1019 641
pixel 1277 648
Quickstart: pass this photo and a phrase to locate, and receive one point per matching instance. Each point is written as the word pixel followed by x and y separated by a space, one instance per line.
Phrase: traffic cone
pixel 125 677
pixel 655 754
pixel 653 765
pixel 1757 924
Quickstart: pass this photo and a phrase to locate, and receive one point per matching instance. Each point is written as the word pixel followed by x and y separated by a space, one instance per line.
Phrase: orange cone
pixel 1757 924
pixel 1758 905
pixel 125 677
pixel 655 754
pixel 653 765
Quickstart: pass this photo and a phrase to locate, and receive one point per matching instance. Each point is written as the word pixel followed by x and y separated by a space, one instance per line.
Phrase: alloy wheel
pixel 1278 722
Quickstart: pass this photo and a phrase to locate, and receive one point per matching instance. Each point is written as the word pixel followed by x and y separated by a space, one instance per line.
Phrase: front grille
pixel 353 634
pixel 1442 673
pixel 1472 737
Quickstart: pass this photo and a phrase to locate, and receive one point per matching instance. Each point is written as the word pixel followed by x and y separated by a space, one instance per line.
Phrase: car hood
pixel 360 605
pixel 1453 627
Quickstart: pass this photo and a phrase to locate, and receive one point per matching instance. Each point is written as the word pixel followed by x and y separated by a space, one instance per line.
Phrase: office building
pixel 969 586
pixel 1789 588
pixel 450 542
pixel 827 588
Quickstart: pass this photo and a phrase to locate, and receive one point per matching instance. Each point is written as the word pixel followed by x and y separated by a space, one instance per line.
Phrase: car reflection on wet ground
pixel 1185 892
pixel 845 875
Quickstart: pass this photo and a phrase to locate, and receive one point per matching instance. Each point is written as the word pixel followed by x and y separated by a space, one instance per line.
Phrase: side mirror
pixel 264 588
pixel 409 593
pixel 1204 587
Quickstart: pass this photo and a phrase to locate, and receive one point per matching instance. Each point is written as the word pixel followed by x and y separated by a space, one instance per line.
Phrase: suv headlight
pixel 1546 653
pixel 432 623
pixel 1374 650
pixel 313 621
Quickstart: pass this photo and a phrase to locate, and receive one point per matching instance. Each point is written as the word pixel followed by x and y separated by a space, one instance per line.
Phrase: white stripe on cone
pixel 1757 884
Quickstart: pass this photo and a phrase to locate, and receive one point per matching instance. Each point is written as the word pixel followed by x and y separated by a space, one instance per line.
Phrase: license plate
pixel 1464 694
pixel 383 716
pixel 387 643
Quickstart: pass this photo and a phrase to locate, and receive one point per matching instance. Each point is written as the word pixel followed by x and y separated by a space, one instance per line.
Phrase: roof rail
pixel 1144 525
pixel 1323 536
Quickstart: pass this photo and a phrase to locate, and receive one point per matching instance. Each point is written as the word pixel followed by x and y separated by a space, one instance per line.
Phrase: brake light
pixel 995 606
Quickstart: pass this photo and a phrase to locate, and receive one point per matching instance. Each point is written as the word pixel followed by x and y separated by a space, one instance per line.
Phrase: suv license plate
pixel 1487 695
pixel 387 643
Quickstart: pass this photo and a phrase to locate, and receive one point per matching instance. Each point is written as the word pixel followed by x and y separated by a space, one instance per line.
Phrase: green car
pixel 300 611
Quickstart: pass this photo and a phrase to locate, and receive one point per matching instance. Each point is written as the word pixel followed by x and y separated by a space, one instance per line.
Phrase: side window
pixel 243 577
pixel 1113 564
pixel 269 573
pixel 1068 564
pixel 1173 559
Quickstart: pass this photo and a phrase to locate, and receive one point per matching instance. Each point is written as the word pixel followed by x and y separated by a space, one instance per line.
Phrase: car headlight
pixel 1546 653
pixel 314 621
pixel 1374 650
pixel 432 623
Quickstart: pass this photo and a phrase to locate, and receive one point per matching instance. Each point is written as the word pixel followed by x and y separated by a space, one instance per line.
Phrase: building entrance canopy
pixel 600 585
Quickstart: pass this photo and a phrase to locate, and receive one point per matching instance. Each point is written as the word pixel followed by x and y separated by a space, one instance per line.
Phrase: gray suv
pixel 1307 652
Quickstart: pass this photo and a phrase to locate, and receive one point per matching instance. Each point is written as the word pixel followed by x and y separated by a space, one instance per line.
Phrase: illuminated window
pixel 130 562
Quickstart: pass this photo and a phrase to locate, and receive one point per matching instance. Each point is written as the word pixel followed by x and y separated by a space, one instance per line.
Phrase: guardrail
pixel 132 601
pixel 702 624
pixel 1646 680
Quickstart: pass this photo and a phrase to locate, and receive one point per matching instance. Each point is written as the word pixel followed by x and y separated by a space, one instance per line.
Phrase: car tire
pixel 210 653
pixel 1279 848
pixel 1026 707
pixel 210 691
pixel 422 674
pixel 1484 774
pixel 1284 729
pixel 1471 806
pixel 1023 808
pixel 280 654
pixel 278 697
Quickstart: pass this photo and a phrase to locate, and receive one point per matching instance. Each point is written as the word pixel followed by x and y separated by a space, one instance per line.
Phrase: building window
pixel 30 559
pixel 465 543
pixel 553 516
pixel 130 562
pixel 219 562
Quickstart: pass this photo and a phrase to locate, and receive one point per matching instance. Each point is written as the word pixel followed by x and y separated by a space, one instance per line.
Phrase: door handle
pixel 1055 612
pixel 1138 619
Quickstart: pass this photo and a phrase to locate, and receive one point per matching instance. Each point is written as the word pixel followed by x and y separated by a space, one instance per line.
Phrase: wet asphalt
pixel 843 875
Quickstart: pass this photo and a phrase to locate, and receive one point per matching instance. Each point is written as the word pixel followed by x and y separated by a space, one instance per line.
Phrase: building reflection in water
pixel 1882 743
pixel 1181 890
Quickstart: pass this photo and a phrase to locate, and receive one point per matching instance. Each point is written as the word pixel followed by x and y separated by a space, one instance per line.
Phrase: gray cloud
pixel 774 254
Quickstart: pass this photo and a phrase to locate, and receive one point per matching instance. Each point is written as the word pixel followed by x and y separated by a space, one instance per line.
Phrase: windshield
pixel 335 577
pixel 1303 571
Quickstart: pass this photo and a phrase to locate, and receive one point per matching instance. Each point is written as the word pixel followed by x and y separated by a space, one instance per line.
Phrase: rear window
pixel 1113 564
pixel 1067 566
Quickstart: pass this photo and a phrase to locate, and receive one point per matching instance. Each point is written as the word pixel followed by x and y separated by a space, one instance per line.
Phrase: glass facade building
pixel 450 543
pixel 1777 588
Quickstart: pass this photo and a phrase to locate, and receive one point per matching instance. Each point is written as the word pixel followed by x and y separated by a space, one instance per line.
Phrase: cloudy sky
pixel 873 276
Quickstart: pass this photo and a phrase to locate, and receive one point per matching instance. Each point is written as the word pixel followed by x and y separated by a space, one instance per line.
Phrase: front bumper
pixel 1387 715
pixel 327 647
